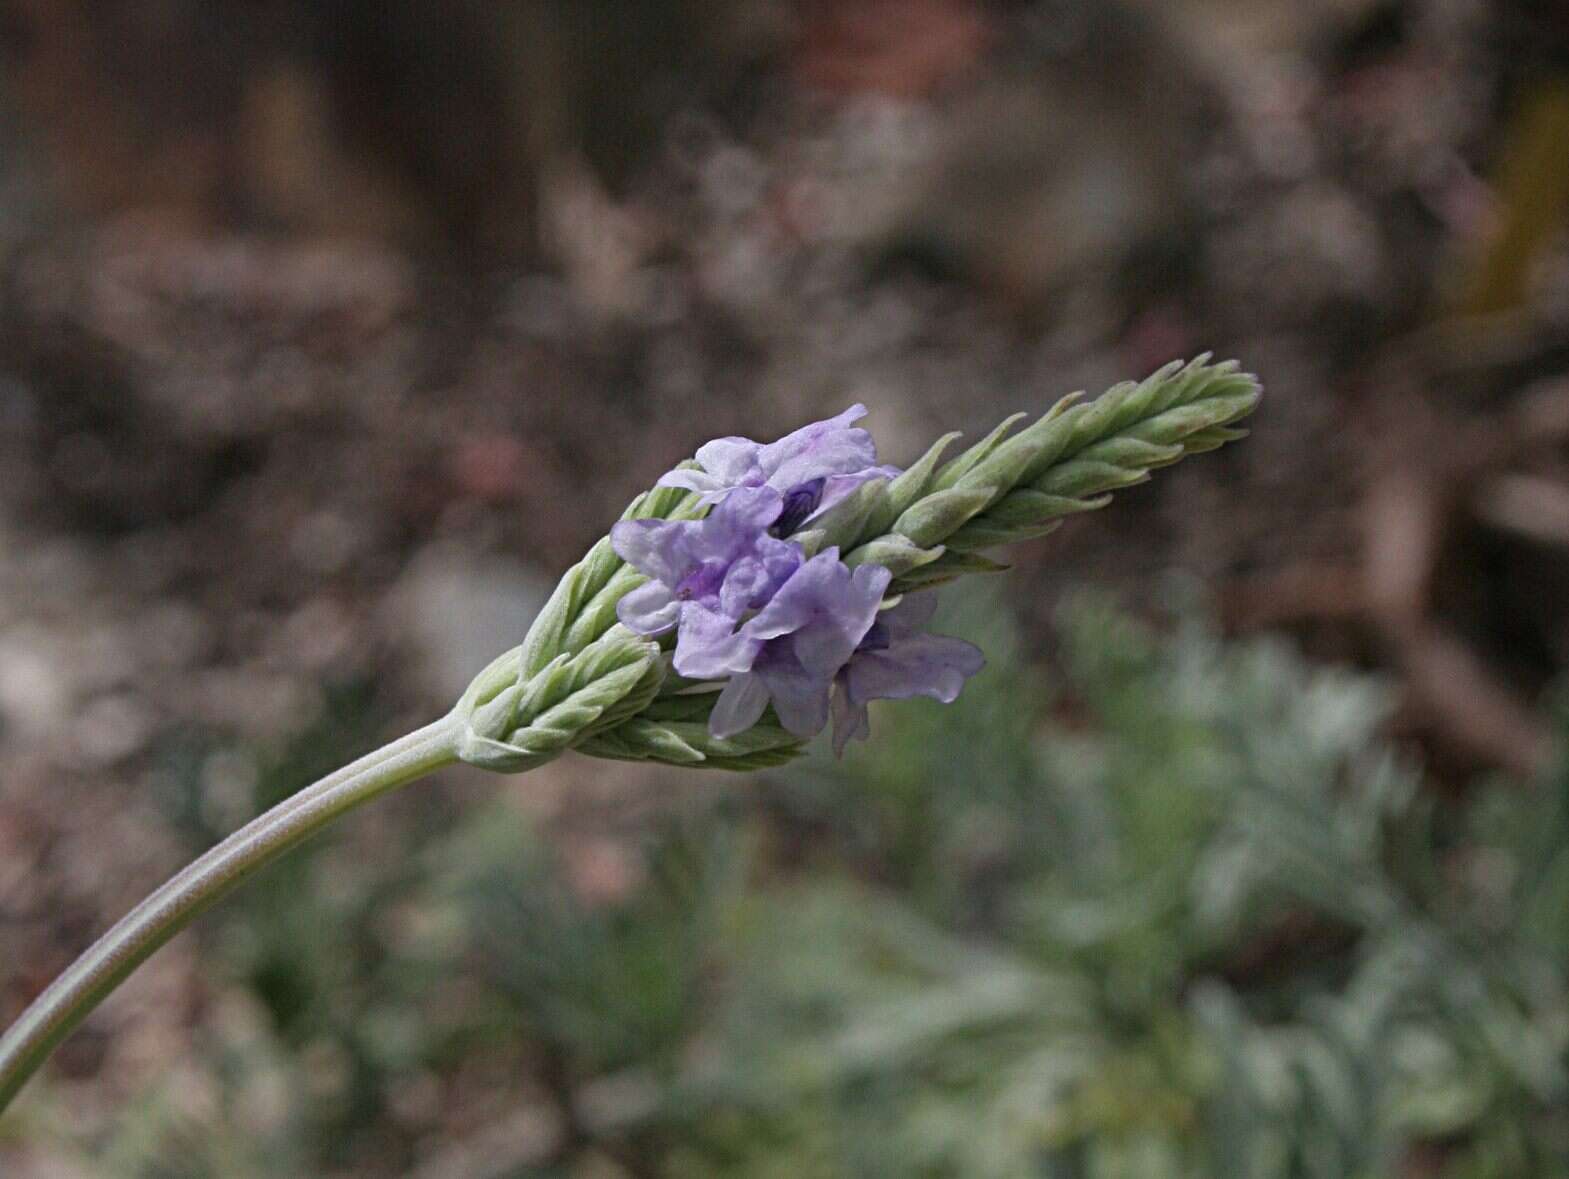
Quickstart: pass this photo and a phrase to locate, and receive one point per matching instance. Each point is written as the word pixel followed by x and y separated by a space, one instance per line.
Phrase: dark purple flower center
pixel 876 639
pixel 702 582
pixel 799 503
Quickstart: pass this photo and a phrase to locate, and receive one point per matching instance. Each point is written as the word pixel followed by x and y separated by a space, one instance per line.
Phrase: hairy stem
pixel 109 961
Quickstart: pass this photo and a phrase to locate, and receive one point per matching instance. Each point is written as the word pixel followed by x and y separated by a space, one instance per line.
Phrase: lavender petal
pixel 739 707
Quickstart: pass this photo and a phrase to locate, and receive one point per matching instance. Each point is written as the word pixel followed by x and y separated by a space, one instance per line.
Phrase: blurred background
pixel 331 333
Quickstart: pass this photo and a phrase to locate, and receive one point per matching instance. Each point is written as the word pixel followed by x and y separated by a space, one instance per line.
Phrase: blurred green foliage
pixel 1183 913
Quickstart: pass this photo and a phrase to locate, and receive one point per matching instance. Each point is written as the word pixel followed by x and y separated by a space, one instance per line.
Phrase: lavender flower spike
pixel 813 468
pixel 897 660
pixel 791 651
pixel 708 572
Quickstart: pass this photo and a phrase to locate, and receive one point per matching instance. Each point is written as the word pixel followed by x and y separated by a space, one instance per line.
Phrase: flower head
pixel 705 572
pixel 766 626
pixel 812 469
pixel 790 652
pixel 896 660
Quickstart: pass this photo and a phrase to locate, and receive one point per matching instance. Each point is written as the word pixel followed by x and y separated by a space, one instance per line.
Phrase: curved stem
pixel 109 961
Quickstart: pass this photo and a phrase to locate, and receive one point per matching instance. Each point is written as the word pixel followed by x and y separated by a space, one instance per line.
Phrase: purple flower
pixel 804 635
pixel 813 468
pixel 896 660
pixel 705 573
pixel 790 652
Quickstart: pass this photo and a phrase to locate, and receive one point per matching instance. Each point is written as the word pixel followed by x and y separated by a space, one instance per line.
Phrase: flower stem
pixel 109 961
